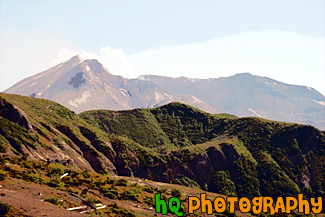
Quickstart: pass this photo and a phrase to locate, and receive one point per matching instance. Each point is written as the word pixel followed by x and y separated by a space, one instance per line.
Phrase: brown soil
pixel 26 197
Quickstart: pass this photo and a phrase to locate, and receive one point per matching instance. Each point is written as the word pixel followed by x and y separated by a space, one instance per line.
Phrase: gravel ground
pixel 26 197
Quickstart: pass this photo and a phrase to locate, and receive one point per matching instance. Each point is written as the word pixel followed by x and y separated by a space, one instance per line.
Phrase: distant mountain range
pixel 249 95
pixel 84 85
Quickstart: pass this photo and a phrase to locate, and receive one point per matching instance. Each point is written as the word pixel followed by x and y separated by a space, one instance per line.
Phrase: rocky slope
pixel 247 95
pixel 50 195
pixel 82 85
pixel 175 143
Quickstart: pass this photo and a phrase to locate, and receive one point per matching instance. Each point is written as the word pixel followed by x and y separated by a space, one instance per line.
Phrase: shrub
pixel 221 183
pixel 54 182
pixel 127 196
pixel 111 193
pixel 54 200
pixel 134 191
pixel 162 190
pixel 3 148
pixel 149 189
pixel 31 178
pixel 121 212
pixel 2 159
pixel 122 182
pixel 55 174
pixel 4 209
pixel 92 200
pixel 56 171
pixel 149 200
pixel 3 175
pixel 176 193
pixel 85 174
pixel 110 181
pixel 84 191
pixel 131 194
pixel 186 182
pixel 58 143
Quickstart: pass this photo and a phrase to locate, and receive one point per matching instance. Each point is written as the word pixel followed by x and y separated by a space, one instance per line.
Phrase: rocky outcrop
pixel 99 163
pixel 221 158
pixel 202 168
pixel 14 114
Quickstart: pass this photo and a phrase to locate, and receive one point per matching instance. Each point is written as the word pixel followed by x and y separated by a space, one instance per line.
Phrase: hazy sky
pixel 283 40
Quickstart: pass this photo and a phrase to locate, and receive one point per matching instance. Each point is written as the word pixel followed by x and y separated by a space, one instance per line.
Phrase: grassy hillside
pixel 263 157
pixel 123 196
pixel 174 143
pixel 175 123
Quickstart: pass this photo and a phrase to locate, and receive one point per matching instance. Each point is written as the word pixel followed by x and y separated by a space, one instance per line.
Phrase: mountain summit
pixel 250 95
pixel 84 85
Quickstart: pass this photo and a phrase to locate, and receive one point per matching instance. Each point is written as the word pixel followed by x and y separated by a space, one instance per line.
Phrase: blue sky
pixel 283 40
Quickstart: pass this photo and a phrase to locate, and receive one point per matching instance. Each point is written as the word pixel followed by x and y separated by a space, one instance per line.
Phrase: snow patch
pixel 197 100
pixel 159 97
pixel 254 112
pixel 83 99
pixel 143 78
pixel 124 92
pixel 38 76
pixel 284 86
pixel 33 84
pixel 87 68
pixel 319 102
pixel 193 80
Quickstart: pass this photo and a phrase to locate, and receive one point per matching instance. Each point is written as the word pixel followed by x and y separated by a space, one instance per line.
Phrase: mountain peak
pixel 246 74
pixel 75 59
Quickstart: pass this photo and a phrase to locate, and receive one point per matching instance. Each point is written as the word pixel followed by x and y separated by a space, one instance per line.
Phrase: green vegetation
pixel 54 200
pixel 174 143
pixel 4 209
pixel 176 193
pixel 3 175
pixel 122 182
pixel 157 127
pixel 121 212
pixel 221 183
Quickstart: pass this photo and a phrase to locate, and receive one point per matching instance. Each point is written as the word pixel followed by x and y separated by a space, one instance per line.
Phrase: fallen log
pixel 83 200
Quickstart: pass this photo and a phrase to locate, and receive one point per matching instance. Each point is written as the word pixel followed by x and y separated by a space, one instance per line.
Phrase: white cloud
pixel 113 59
pixel 63 55
pixel 116 61
pixel 285 56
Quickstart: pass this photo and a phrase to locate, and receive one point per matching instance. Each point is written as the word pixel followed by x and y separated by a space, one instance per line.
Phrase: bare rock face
pixel 218 158
pixel 230 152
pixel 14 114
pixel 201 161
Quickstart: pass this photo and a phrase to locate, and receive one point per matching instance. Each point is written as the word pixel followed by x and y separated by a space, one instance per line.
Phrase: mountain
pixel 248 95
pixel 175 143
pixel 82 85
